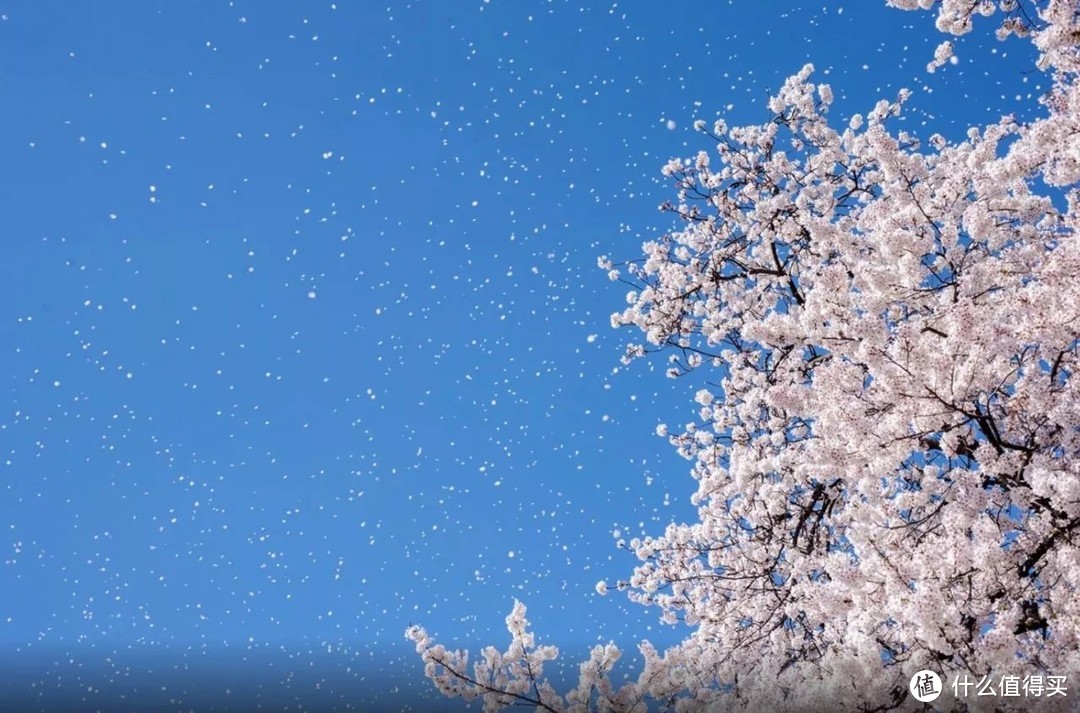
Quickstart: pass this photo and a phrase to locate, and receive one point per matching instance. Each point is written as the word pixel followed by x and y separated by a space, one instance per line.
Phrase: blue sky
pixel 304 339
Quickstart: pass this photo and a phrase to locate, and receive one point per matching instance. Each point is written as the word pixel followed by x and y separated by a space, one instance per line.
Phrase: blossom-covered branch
pixel 888 466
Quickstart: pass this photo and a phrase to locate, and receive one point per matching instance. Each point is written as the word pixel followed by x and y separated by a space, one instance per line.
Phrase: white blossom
pixel 887 456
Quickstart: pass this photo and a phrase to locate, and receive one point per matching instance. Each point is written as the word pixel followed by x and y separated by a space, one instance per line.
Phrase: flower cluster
pixel 889 470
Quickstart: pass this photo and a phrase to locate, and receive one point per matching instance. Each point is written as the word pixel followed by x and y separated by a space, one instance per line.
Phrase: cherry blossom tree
pixel 888 468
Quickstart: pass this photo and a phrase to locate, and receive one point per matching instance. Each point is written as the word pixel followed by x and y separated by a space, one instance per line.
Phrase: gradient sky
pixel 303 337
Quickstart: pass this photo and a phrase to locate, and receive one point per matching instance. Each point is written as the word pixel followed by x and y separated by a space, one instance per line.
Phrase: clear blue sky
pixel 303 338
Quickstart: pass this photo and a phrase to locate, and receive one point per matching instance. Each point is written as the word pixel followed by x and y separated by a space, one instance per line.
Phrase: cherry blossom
pixel 887 473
